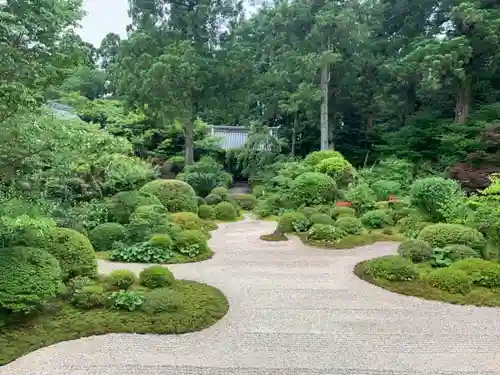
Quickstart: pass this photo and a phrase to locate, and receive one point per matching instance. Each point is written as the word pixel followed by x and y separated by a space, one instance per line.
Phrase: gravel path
pixel 294 311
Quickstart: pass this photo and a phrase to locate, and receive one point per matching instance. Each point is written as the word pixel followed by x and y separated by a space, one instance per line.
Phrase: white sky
pixel 103 17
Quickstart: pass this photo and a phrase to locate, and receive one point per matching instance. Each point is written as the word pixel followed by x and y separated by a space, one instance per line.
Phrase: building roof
pixel 234 136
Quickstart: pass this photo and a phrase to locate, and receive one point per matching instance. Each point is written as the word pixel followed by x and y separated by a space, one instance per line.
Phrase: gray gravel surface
pixel 294 311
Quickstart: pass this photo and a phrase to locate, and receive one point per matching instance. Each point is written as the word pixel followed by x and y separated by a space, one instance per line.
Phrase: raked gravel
pixel 294 310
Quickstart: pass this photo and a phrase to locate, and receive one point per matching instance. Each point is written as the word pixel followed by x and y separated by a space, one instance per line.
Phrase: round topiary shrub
pixel 291 222
pixel 458 252
pixel 337 168
pixel 206 212
pixel 313 188
pixel 191 243
pixel 147 220
pixel 213 199
pixel 246 202
pixel 187 220
pixel 161 241
pixel 225 211
pixel 440 235
pixel 316 157
pixel 120 279
pixel 175 195
pixel 417 251
pixel 350 225
pixel 320 218
pixel 450 280
pixel 201 201
pixel 104 235
pixel 89 297
pixel 376 219
pixel 392 268
pixel 428 194
pixel 309 211
pixel 29 277
pixel 221 191
pixel 72 249
pixel 156 277
pixel 121 205
pixel 337 212
pixel 482 272
pixel 325 233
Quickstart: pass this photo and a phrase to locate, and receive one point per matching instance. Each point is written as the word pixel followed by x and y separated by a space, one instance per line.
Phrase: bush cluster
pixel 293 222
pixel 104 235
pixel 440 235
pixel 393 268
pixel 312 188
pixel 225 211
pixel 156 277
pixel 325 233
pixel 320 218
pixel 451 280
pixel 376 219
pixel 246 202
pixel 175 195
pixel 417 251
pixel 191 243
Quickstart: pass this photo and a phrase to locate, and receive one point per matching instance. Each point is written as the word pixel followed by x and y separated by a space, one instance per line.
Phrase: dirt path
pixel 294 311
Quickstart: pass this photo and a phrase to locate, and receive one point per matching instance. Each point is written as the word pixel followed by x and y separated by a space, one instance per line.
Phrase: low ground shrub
pixel 143 252
pixel 187 221
pixel 213 199
pixel 246 202
pixel 392 268
pixel 417 251
pixel 72 249
pixel 29 278
pixel 220 191
pixel 162 300
pixel 458 252
pixel 349 224
pixel 482 272
pixel 104 235
pixel 274 237
pixel 206 212
pixel 125 300
pixel 325 233
pixel 376 219
pixel 309 211
pixel 156 277
pixel 411 226
pixel 440 235
pixel 293 222
pixel 191 243
pixel 451 280
pixel 89 297
pixel 225 211
pixel 120 279
pixel 337 212
pixel 175 195
pixel 320 218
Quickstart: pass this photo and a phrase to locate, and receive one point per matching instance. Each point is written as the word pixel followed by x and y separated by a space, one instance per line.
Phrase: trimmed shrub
pixel 411 226
pixel 325 233
pixel 191 243
pixel 161 241
pixel 350 225
pixel 482 272
pixel 309 211
pixel 292 222
pixel 450 280
pixel 89 297
pixel 77 283
pixel 162 300
pixel 121 279
pixel 428 194
pixel 104 235
pixel 392 268
pixel 376 219
pixel 204 175
pixel 206 212
pixel 187 221
pixel 245 201
pixel 213 199
pixel 156 277
pixel 320 218
pixel 220 191
pixel 225 211
pixel 29 277
pixel 385 188
pixel 313 188
pixel 72 249
pixel 147 220
pixel 123 204
pixel 316 157
pixel 337 212
pixel 201 201
pixel 175 195
pixel 417 251
pixel 458 252
pixel 440 235
pixel 338 168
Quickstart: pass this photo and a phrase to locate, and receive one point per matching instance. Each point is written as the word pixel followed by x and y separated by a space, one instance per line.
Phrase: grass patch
pixel 176 259
pixel 478 296
pixel 349 242
pixel 274 237
pixel 202 306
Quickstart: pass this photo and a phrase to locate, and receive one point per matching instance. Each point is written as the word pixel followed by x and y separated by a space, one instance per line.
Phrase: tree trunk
pixel 294 133
pixel 369 123
pixel 188 143
pixel 325 77
pixel 463 101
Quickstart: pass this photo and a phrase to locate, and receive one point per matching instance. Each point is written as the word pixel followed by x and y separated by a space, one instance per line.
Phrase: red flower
pixel 393 198
pixel 343 204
